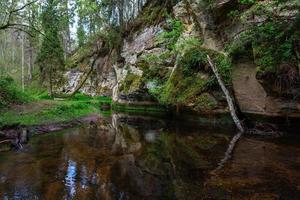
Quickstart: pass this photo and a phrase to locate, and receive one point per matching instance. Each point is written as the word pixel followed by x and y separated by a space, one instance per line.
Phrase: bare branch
pixel 22 7
pixel 18 26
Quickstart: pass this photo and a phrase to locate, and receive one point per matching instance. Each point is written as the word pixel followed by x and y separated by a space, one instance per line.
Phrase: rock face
pixel 151 62
pixel 129 88
pixel 253 98
pixel 96 84
pixel 162 62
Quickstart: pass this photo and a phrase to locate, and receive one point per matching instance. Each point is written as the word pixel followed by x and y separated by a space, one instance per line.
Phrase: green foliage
pixel 182 90
pixel 224 66
pixel 239 47
pixel 270 42
pixel 193 56
pixel 192 76
pixel 271 46
pixel 155 73
pixel 247 1
pixel 112 37
pixel 152 14
pixel 80 34
pixel 156 88
pixel 10 93
pixel 81 97
pixel 233 14
pixel 171 36
pixel 51 55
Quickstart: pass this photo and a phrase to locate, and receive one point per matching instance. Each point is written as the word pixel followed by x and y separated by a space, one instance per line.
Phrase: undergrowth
pixel 10 93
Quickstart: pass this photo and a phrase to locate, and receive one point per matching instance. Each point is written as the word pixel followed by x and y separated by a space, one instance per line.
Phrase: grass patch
pixel 53 111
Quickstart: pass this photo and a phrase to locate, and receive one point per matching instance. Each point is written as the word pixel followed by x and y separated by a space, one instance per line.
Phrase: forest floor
pixel 40 112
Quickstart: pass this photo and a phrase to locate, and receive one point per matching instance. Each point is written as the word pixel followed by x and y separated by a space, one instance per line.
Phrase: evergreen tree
pixel 80 32
pixel 51 55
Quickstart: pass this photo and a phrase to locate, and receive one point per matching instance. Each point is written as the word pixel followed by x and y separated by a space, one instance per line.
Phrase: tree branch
pixel 11 12
pixel 22 7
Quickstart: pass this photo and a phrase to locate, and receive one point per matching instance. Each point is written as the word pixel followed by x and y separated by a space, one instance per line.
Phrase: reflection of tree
pixel 229 152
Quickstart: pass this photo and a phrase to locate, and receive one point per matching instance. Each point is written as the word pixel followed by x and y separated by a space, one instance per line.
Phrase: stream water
pixel 137 157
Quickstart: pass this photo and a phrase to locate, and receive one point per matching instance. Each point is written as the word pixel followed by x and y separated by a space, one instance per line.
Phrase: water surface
pixel 134 157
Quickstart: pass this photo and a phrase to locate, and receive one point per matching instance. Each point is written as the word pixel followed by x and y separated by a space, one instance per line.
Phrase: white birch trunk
pixel 228 97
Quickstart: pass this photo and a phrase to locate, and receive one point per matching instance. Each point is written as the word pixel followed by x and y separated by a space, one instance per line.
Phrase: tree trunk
pixel 22 65
pixel 50 82
pixel 228 97
pixel 30 66
pixel 121 14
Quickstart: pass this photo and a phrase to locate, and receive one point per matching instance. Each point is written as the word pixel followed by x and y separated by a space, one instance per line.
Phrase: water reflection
pixel 151 136
pixel 128 157
pixel 70 179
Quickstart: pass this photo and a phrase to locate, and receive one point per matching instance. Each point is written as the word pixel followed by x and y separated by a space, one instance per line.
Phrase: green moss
pixel 205 102
pixel 190 87
pixel 131 83
pixel 181 89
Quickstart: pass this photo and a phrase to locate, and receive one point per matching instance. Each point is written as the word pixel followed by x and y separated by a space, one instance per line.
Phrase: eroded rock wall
pixel 164 62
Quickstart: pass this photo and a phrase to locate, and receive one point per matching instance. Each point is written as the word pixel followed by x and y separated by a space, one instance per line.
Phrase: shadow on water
pixel 139 157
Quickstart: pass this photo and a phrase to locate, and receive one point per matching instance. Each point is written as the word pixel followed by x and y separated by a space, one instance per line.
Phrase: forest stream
pixel 136 157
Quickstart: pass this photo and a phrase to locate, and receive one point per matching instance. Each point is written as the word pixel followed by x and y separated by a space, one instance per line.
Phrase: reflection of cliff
pixel 120 157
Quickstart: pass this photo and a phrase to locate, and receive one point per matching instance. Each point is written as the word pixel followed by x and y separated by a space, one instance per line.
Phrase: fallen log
pixel 234 116
pixel 228 97
pixel 90 72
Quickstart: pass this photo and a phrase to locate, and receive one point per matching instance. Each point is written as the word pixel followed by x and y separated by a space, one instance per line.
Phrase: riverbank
pixel 43 116
pixel 51 111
